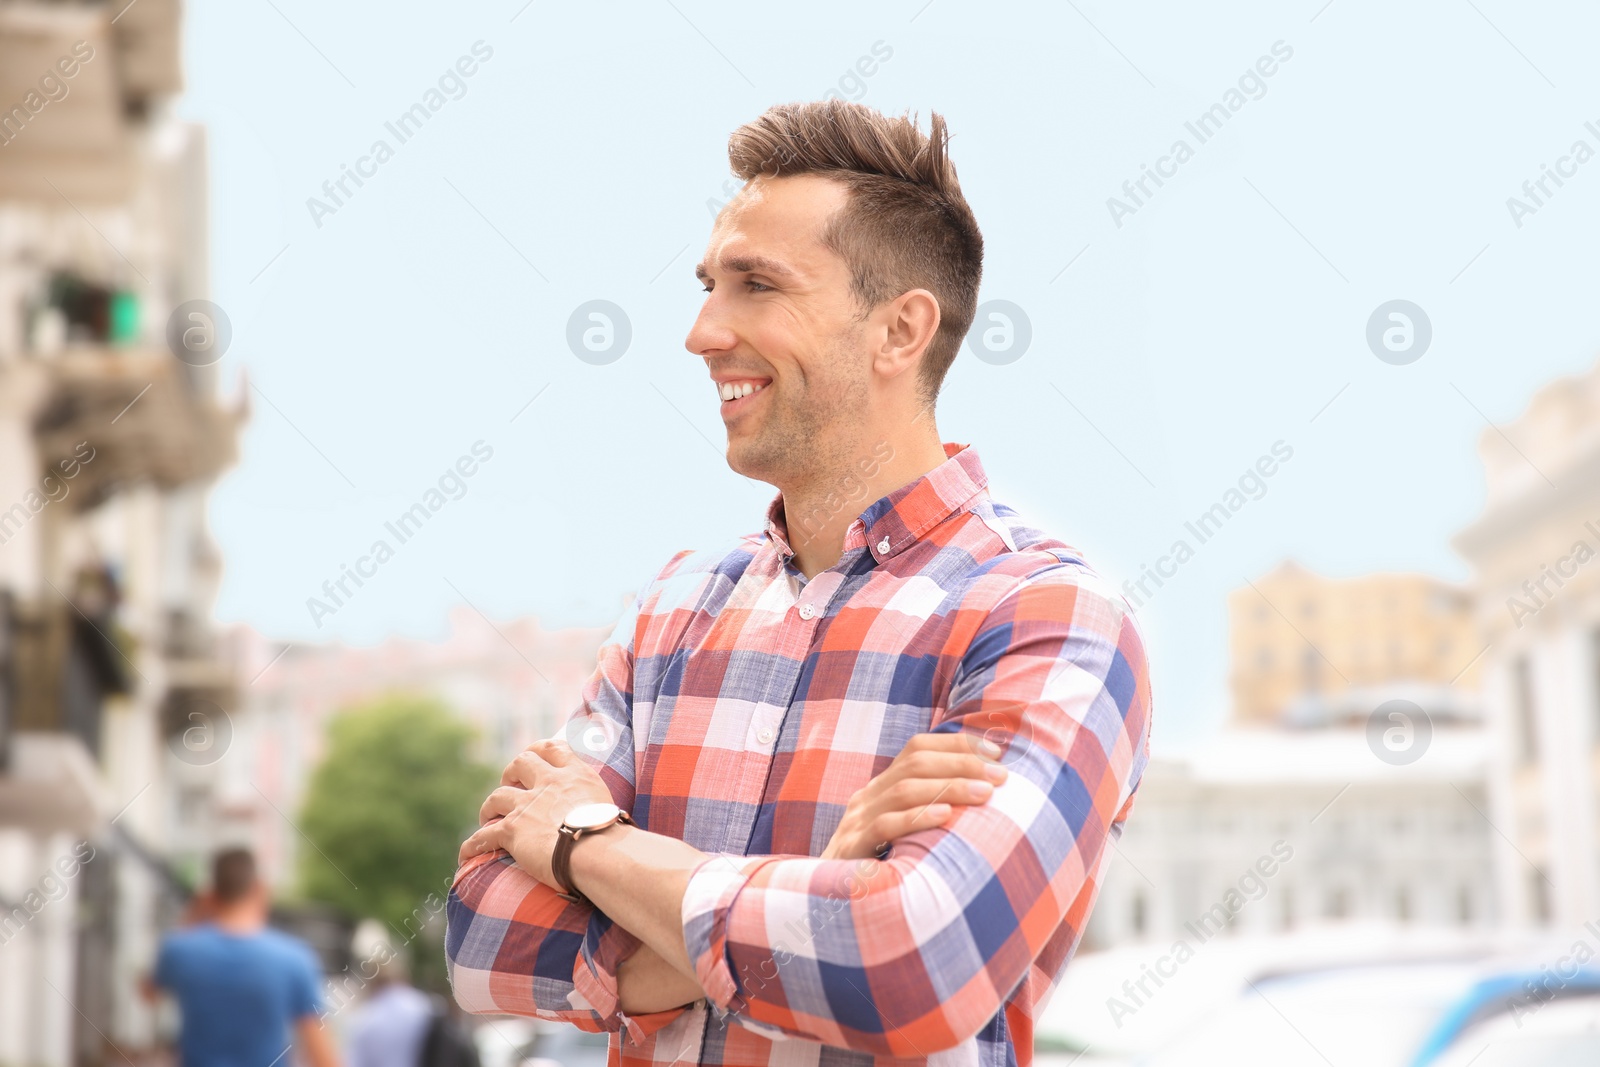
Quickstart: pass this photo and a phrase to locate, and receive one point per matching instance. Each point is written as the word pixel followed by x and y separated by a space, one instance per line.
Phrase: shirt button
pixel 883 546
pixel 765 736
pixel 807 611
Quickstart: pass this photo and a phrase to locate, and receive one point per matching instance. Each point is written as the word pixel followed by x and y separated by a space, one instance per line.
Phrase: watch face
pixel 592 816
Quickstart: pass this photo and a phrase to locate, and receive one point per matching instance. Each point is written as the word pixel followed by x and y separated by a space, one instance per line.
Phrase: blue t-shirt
pixel 239 994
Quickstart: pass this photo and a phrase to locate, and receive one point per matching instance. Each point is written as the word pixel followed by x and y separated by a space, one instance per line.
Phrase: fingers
pixel 963 741
pixel 527 769
pixel 910 793
pixel 934 764
pixel 897 824
pixel 502 802
pixel 484 839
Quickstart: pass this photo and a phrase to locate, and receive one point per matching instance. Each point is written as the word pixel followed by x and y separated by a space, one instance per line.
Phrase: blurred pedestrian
pixel 246 994
pixel 388 1028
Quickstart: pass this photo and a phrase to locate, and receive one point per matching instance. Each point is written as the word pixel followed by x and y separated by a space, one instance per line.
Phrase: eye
pixel 705 288
pixel 758 286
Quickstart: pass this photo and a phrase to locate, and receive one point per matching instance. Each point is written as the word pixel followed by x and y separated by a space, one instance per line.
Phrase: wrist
pixel 590 850
pixel 583 822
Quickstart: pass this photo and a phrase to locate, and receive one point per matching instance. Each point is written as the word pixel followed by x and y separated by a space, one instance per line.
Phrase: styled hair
pixel 906 224
pixel 233 874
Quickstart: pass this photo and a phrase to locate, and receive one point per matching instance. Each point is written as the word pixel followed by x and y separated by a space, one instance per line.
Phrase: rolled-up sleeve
pixel 915 953
pixel 513 945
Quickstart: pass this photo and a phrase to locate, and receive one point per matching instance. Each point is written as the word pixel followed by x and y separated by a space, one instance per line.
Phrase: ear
pixel 909 322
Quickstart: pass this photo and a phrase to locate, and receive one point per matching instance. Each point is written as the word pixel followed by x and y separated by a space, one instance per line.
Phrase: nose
pixel 711 333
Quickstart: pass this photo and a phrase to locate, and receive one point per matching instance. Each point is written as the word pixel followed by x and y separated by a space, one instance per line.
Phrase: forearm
pixel 638 879
pixel 315 1046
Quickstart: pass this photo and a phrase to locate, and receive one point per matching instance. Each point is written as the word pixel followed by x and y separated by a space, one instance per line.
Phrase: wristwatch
pixel 581 820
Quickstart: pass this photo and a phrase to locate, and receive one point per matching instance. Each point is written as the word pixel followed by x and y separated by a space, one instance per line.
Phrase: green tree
pixel 387 810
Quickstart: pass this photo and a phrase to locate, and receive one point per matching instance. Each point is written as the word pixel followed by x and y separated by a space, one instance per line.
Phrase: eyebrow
pixel 747 265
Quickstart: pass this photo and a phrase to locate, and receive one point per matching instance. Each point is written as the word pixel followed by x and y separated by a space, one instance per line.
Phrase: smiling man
pixel 841 791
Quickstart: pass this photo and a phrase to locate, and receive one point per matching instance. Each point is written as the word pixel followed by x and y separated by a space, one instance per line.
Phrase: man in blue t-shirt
pixel 246 993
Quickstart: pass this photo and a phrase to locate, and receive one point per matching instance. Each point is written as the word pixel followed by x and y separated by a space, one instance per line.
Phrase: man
pixel 874 755
pixel 245 993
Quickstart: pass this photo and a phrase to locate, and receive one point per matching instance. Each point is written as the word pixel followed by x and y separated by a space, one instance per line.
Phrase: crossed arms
pixel 905 955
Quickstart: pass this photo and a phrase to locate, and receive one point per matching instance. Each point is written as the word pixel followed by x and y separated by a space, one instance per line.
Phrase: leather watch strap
pixel 561 859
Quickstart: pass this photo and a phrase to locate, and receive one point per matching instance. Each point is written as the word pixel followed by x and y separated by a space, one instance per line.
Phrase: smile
pixel 736 390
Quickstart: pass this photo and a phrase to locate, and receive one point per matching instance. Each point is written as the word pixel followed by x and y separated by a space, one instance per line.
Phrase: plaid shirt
pixel 738 707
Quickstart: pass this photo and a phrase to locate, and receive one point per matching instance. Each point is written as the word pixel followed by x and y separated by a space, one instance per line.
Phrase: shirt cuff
pixel 707 904
pixel 594 978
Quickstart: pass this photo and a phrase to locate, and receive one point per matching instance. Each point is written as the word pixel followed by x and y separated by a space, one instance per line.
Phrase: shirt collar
pixel 901 519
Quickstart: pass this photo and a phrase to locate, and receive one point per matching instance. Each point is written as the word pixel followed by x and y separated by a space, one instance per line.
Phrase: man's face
pixel 778 332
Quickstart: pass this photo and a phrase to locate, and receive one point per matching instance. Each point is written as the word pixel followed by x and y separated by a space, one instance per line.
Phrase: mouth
pixel 740 394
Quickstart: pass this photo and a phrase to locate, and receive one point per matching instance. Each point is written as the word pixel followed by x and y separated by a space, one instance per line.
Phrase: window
pixel 1523 710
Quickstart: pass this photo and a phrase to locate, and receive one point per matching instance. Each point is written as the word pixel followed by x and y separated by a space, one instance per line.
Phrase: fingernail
pixel 995 772
pixel 979 790
pixel 938 812
pixel 989 748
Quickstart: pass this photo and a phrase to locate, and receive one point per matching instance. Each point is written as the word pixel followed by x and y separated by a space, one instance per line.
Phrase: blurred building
pixel 515 682
pixel 1377 827
pixel 1296 635
pixel 1345 835
pixel 108 444
pixel 1535 551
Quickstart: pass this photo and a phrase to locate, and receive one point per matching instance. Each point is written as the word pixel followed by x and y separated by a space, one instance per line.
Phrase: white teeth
pixel 735 390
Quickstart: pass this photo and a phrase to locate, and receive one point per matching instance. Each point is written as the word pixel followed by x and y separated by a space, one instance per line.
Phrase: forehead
pixel 776 223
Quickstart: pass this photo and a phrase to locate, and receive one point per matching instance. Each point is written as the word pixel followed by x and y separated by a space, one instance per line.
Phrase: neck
pixel 245 917
pixel 820 509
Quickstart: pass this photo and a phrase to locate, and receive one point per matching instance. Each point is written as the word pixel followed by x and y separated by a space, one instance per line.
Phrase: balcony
pixel 139 411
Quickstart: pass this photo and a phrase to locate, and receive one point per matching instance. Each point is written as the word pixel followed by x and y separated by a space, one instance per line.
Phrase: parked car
pixel 1522 1018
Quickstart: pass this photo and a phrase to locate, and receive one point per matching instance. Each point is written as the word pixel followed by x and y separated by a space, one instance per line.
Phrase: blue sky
pixel 1171 347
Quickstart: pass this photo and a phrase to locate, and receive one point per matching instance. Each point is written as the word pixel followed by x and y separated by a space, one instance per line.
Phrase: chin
pixel 746 457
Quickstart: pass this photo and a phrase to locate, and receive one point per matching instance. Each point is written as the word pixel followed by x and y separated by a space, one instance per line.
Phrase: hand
pixel 919 790
pixel 646 983
pixel 536 792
